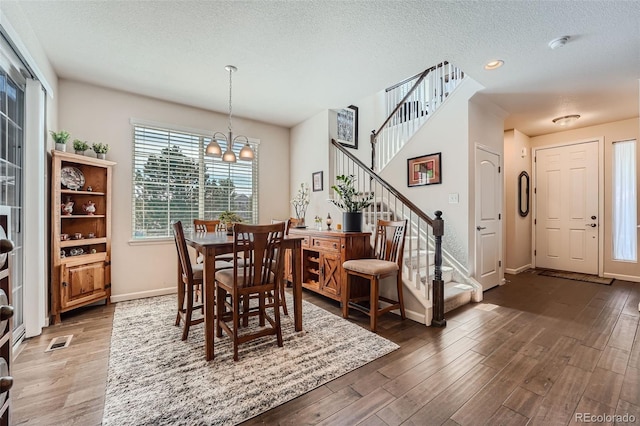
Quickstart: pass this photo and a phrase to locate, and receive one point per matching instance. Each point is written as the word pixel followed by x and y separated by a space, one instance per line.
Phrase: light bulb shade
pixel 566 120
pixel 213 149
pixel 246 153
pixel 229 156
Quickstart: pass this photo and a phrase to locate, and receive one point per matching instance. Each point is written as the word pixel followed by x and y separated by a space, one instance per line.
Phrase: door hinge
pixel 535 159
pixel 535 221
pixel 535 190
pixel 499 263
pixel 499 169
pixel 107 286
pixel 499 216
pixel 535 252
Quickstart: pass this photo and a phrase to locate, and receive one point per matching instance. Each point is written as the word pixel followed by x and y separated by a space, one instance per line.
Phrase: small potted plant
pixel 351 202
pixel 100 150
pixel 229 218
pixel 80 146
pixel 60 138
pixel 300 203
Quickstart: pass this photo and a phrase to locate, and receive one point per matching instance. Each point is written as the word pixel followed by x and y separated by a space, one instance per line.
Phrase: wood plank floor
pixel 538 350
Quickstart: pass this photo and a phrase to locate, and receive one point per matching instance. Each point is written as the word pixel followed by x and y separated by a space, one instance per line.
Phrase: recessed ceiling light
pixel 494 64
pixel 566 119
pixel 558 42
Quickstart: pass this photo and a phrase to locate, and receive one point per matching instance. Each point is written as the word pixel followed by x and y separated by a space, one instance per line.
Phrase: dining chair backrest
pixel 183 253
pixel 201 225
pixel 389 240
pixel 259 245
pixel 288 224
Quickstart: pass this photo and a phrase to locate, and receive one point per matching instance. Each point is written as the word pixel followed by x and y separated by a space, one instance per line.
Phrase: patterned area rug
pixel 157 379
pixel 577 277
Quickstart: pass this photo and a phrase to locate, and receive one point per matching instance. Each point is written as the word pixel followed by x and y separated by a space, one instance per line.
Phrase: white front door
pixel 488 214
pixel 567 208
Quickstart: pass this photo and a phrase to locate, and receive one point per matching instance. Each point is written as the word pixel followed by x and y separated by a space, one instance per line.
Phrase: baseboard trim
pixel 142 294
pixel 622 277
pixel 517 270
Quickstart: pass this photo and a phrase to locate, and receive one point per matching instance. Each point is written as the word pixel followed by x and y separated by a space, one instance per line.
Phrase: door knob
pixel 593 218
pixel 480 228
pixel 593 225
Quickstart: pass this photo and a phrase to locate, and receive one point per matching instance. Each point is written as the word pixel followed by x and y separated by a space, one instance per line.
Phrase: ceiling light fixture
pixel 494 64
pixel 214 150
pixel 566 120
pixel 558 42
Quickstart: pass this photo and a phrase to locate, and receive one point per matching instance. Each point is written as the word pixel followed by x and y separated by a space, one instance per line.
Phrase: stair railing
pixel 410 103
pixel 390 204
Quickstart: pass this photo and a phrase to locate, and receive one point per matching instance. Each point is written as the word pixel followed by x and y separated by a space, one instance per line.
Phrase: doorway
pixel 567 233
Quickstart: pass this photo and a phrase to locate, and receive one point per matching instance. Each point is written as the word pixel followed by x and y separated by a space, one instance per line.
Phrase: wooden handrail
pixel 422 215
pixel 406 80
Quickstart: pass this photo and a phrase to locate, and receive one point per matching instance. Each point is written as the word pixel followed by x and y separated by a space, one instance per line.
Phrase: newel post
pixel 438 284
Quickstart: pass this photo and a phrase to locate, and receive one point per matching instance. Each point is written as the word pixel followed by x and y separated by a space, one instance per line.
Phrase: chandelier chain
pixel 230 106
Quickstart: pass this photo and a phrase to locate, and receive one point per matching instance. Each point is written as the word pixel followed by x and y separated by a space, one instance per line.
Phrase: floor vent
pixel 59 342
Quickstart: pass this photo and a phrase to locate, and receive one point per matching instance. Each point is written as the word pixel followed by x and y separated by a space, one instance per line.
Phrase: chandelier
pixel 214 150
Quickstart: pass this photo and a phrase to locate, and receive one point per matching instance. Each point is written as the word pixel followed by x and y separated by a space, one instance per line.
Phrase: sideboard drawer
pixel 328 244
pixel 305 242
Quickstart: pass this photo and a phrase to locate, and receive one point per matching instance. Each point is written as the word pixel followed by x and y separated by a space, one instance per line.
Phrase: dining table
pixel 212 244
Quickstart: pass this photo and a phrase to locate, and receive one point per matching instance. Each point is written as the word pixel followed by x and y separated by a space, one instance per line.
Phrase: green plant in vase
pixel 229 218
pixel 60 138
pixel 351 201
pixel 100 150
pixel 80 146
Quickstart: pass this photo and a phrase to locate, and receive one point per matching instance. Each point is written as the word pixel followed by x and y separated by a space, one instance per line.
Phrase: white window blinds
pixel 173 180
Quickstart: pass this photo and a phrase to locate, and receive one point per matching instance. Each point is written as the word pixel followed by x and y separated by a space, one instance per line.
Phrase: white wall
pixel 98 114
pixel 518 228
pixel 445 132
pixel 611 132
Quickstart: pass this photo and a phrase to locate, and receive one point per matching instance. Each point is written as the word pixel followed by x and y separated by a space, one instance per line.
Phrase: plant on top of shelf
pixel 80 146
pixel 60 138
pixel 300 203
pixel 100 149
pixel 351 201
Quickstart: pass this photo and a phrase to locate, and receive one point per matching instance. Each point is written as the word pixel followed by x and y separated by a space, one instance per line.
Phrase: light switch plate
pixel 453 198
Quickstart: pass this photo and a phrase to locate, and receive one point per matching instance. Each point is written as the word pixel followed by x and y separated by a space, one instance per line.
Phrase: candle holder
pixel 329 221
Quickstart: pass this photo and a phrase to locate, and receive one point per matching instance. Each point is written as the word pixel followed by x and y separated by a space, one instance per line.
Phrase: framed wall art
pixel 347 126
pixel 424 170
pixel 316 181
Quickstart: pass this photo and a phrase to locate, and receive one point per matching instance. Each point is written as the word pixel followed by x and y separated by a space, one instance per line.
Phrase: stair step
pixel 447 274
pixel 456 295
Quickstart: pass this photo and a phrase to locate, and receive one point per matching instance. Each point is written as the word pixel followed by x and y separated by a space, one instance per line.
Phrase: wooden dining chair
pixel 258 275
pixel 200 225
pixel 189 281
pixel 387 261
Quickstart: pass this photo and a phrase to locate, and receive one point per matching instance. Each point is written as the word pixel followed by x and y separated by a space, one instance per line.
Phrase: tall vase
pixel 352 221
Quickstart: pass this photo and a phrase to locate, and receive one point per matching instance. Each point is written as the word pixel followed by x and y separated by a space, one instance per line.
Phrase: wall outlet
pixel 453 198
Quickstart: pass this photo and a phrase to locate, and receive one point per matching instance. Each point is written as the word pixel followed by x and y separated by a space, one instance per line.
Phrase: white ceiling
pixel 297 58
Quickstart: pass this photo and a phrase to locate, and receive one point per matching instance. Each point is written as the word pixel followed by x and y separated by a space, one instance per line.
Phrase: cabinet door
pixel 331 266
pixel 81 283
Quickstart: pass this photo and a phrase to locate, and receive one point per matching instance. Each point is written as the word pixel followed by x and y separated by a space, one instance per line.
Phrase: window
pixel 624 201
pixel 173 180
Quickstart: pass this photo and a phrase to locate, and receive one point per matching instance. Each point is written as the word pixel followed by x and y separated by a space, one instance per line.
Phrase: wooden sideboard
pixel 323 253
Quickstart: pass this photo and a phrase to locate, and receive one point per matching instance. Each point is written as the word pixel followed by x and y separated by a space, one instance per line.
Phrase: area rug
pixel 156 379
pixel 577 277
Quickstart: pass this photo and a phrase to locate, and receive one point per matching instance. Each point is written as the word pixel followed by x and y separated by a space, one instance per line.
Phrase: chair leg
pixel 236 324
pixel 400 298
pixel 345 297
pixel 221 297
pixel 283 300
pixel 245 309
pixel 276 317
pixel 180 301
pixel 188 313
pixel 261 307
pixel 374 300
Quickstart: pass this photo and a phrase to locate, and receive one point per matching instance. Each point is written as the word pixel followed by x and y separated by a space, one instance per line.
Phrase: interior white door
pixel 487 220
pixel 567 208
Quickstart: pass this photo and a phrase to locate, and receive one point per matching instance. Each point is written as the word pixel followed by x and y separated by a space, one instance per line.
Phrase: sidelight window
pixel 625 241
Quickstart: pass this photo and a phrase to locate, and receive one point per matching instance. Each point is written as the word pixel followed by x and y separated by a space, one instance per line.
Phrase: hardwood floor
pixel 538 350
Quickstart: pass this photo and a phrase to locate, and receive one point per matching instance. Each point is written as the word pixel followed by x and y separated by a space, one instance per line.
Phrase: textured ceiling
pixel 296 58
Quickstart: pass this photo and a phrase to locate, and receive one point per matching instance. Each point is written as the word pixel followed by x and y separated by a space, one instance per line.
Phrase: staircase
pixel 409 104
pixel 437 288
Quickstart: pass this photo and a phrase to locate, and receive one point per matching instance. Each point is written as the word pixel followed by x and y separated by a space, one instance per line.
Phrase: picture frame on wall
pixel 316 181
pixel 424 170
pixel 347 126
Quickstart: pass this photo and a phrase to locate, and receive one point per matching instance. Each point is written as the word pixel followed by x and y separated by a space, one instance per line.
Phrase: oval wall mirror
pixel 523 194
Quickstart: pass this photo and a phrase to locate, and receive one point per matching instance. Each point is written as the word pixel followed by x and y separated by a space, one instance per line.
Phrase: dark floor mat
pixel 577 277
